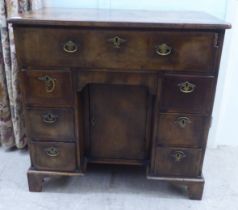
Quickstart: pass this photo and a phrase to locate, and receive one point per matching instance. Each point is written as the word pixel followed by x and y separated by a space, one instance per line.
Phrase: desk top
pixel 119 18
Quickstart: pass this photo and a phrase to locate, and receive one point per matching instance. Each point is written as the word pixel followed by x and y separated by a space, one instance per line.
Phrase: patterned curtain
pixel 12 128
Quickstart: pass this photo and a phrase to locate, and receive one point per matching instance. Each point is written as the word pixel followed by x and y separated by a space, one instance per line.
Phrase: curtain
pixel 12 127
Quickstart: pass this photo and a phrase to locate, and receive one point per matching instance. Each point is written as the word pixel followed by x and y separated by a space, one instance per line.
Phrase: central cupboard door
pixel 118 122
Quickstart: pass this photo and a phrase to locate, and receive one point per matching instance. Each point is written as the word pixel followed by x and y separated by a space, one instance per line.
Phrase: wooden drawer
pixel 116 49
pixel 184 130
pixel 53 156
pixel 47 88
pixel 177 162
pixel 187 94
pixel 50 124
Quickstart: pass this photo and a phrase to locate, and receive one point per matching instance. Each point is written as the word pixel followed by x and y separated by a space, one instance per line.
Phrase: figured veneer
pixel 138 50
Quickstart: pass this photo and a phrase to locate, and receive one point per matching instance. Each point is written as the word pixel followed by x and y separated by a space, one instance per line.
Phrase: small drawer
pixel 187 94
pixel 50 124
pixel 53 156
pixel 117 49
pixel 177 162
pixel 184 130
pixel 47 88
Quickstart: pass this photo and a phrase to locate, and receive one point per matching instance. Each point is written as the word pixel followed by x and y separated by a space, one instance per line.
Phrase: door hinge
pixel 216 40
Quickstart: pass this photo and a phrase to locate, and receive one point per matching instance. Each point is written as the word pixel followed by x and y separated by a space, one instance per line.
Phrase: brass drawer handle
pixel 178 155
pixel 163 49
pixel 116 41
pixel 186 87
pixel 70 47
pixel 49 118
pixel 49 83
pixel 52 151
pixel 183 121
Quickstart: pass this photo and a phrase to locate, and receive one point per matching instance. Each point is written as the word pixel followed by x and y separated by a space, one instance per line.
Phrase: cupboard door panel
pixel 118 116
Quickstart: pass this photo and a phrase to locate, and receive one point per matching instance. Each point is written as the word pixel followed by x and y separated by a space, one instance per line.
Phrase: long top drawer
pixel 117 49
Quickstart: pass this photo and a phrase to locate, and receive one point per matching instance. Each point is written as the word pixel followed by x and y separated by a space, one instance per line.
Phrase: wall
pixel 225 125
pixel 215 7
pixel 225 114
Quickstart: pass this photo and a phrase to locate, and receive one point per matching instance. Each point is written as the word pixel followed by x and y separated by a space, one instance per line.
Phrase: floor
pixel 106 188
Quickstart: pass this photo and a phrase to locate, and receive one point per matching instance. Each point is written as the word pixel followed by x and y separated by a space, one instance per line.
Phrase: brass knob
pixel 70 47
pixel 183 121
pixel 49 118
pixel 49 83
pixel 52 151
pixel 186 87
pixel 163 49
pixel 178 155
pixel 116 41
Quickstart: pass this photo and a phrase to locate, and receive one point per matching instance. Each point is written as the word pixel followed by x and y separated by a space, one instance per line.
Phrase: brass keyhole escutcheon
pixel 183 121
pixel 116 41
pixel 186 87
pixel 178 156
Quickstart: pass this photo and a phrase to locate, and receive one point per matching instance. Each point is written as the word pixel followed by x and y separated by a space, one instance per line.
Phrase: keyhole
pixel 116 40
pixel 183 122
pixel 178 156
pixel 93 122
pixel 52 150
pixel 47 78
pixel 50 116
pixel 186 87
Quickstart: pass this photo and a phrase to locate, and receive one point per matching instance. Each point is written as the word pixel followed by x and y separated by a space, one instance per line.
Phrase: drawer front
pixel 177 162
pixel 183 130
pixel 191 94
pixel 50 124
pixel 53 156
pixel 119 49
pixel 47 88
